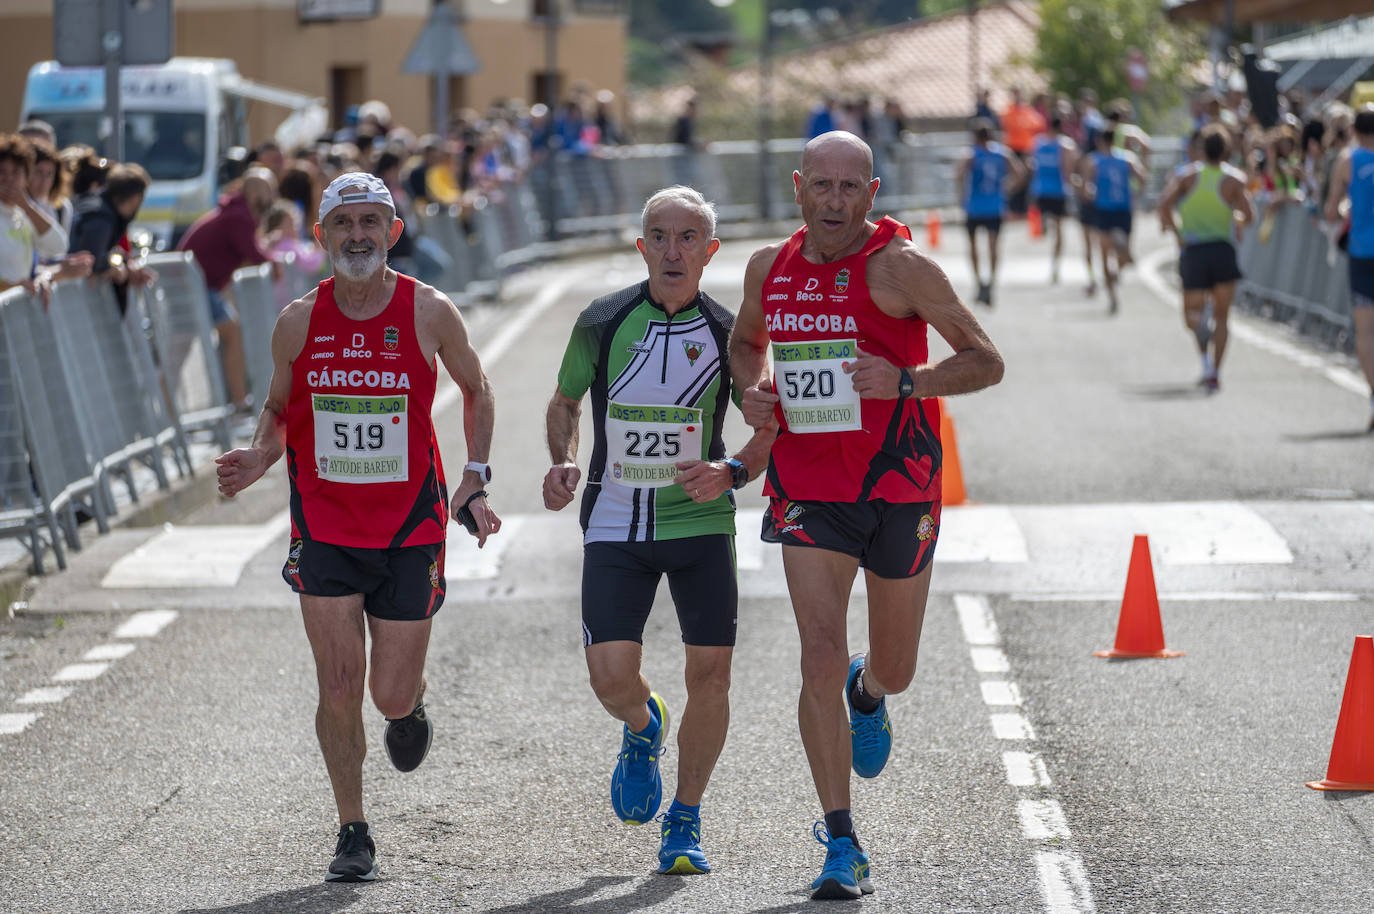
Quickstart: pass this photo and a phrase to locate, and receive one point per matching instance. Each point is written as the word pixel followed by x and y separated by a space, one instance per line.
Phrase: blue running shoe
pixel 870 735
pixel 680 854
pixel 845 875
pixel 636 785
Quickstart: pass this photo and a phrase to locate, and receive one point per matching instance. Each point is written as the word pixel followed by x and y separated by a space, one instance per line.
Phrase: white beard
pixel 357 267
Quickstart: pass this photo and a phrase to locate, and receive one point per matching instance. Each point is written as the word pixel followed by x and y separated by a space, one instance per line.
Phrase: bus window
pixel 169 144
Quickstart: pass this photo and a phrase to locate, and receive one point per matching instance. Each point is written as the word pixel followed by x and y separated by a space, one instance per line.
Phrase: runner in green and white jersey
pixel 658 501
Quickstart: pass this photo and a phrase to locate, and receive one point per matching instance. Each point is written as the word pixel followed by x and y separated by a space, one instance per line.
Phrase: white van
pixel 180 119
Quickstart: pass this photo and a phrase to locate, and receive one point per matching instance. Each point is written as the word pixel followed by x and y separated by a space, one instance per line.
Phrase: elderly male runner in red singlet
pixel 854 475
pixel 350 403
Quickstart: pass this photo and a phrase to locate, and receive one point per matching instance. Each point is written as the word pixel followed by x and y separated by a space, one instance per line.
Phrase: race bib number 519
pixel 360 439
pixel 816 394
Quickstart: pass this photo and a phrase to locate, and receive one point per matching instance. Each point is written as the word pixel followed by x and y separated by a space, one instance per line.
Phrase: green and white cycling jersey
pixel 660 388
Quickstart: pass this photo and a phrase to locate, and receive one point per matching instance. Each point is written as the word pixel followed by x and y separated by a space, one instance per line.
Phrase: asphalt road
pixel 183 774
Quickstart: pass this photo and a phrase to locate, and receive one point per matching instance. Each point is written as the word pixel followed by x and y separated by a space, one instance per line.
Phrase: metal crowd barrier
pixel 569 196
pixel 1293 275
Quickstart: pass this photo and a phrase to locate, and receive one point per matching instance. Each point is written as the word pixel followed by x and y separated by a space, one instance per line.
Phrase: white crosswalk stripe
pixel 535 554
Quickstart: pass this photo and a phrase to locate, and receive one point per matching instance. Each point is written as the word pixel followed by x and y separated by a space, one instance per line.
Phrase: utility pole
pixel 551 24
pixel 766 113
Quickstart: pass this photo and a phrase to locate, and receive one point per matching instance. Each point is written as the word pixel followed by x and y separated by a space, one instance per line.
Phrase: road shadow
pixel 1344 434
pixel 324 898
pixel 1167 392
pixel 650 891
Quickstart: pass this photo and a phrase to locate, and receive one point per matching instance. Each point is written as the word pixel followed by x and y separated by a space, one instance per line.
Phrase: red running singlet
pixel 833 445
pixel 360 449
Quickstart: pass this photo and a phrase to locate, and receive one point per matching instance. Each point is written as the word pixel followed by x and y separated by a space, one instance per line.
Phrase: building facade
pixel 350 51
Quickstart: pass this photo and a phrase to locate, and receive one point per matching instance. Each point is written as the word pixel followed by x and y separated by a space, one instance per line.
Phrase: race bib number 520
pixel 816 394
pixel 360 439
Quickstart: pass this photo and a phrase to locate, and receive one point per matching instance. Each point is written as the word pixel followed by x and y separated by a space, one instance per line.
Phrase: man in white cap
pixel 353 383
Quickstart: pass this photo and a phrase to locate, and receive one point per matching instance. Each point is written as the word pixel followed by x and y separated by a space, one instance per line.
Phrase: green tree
pixel 1085 44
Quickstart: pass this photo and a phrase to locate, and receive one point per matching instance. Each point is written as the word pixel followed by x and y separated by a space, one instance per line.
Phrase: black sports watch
pixel 905 385
pixel 739 474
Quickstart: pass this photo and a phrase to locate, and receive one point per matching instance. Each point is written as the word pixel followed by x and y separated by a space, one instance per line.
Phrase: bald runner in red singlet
pixel 355 364
pixel 843 307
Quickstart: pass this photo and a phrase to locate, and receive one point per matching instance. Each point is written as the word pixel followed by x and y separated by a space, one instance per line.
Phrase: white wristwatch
pixel 481 469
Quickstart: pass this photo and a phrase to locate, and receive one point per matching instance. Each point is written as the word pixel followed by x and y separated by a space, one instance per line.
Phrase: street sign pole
pixel 112 44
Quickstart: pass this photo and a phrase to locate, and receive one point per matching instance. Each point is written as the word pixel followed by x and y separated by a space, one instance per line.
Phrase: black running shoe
pixel 355 856
pixel 408 738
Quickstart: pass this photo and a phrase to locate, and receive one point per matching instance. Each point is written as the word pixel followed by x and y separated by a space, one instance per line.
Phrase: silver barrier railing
pixel 1292 273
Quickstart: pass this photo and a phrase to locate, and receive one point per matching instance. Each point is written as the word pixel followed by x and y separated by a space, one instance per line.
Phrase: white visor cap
pixel 355 187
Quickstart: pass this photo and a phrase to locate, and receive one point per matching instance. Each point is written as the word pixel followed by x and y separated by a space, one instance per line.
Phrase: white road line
pixel 975 616
pixel 989 660
pixel 1064 883
pixel 748 547
pixel 146 624
pixel 465 562
pixel 1011 726
pixel 510 332
pixel 80 672
pixel 1199 596
pixel 109 652
pixel 1211 533
pixel 195 556
pixel 17 722
pixel 1025 769
pixel 1043 820
pixel 45 695
pixel 981 533
pixel 1063 879
pixel 1253 332
pixel 1000 694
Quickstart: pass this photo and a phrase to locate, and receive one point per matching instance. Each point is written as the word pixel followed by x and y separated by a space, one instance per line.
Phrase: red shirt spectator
pixel 226 238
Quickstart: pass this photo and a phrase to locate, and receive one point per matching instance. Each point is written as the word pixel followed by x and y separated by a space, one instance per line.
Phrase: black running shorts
pixel 1113 220
pixel 892 540
pixel 619 581
pixel 991 223
pixel 1050 206
pixel 1362 282
pixel 403 584
pixel 1203 266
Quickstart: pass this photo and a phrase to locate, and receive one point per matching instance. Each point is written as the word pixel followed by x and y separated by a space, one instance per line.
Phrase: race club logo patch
pixel 842 281
pixel 926 528
pixel 391 337
pixel 433 575
pixel 793 512
pixel 693 350
pixel 293 555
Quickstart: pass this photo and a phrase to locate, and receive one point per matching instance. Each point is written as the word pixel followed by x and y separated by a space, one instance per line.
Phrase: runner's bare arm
pixel 240 468
pixel 1017 172
pixel 906 283
pixel 749 343
pixel 561 424
pixel 1340 183
pixel 1233 192
pixel 437 319
pixel 1178 186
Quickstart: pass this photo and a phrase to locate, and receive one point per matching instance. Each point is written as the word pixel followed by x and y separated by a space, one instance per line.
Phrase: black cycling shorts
pixel 619 581
pixel 1203 266
pixel 991 223
pixel 1051 206
pixel 1362 281
pixel 404 584
pixel 890 539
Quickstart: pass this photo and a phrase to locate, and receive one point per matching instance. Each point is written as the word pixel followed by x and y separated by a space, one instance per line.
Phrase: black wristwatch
pixel 739 474
pixel 905 385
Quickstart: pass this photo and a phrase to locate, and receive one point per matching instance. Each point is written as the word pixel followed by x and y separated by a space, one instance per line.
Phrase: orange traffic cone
pixel 1139 633
pixel 1352 751
pixel 1037 228
pixel 952 475
pixel 933 229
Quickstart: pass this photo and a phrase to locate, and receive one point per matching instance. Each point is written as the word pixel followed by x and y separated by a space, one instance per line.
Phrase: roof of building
pixel 924 65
